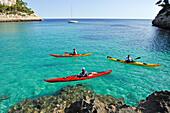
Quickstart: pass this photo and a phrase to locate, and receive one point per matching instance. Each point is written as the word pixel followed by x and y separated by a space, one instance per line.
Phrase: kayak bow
pixel 75 78
pixel 134 63
pixel 77 55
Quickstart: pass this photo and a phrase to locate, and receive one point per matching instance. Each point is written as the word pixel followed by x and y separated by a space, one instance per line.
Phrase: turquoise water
pixel 24 59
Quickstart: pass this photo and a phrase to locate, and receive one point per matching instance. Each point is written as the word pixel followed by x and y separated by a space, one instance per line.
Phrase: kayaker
pixel 128 59
pixel 83 73
pixel 74 52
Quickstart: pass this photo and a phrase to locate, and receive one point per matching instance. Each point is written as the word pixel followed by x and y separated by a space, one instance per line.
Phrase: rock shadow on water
pixel 161 40
pixel 4 97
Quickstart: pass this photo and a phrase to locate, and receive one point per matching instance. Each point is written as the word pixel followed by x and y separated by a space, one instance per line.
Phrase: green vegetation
pixel 19 7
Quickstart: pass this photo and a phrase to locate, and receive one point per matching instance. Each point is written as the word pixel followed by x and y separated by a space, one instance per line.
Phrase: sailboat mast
pixel 71 20
pixel 71 11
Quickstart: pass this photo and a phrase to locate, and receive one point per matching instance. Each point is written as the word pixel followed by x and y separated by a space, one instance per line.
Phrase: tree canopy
pixel 163 3
pixel 20 6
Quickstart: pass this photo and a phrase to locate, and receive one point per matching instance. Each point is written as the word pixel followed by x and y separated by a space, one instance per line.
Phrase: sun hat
pixel 82 68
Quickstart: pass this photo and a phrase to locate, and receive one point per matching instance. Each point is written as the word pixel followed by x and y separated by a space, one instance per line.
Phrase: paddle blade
pixel 137 58
pixel 65 52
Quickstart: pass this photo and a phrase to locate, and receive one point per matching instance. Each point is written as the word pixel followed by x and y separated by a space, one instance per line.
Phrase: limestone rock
pixel 125 109
pixel 87 105
pixel 163 18
pixel 19 18
pixel 158 102
pixel 8 2
pixel 78 99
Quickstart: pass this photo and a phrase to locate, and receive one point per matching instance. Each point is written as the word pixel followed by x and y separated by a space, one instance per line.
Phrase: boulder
pixel 163 18
pixel 157 102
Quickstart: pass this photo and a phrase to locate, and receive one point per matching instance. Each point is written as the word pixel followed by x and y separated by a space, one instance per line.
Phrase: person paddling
pixel 83 73
pixel 74 52
pixel 128 59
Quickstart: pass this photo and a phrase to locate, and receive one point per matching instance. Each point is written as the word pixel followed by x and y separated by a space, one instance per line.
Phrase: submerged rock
pixel 60 100
pixel 108 99
pixel 78 99
pixel 4 97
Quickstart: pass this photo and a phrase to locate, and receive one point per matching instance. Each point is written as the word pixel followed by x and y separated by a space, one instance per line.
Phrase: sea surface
pixel 25 61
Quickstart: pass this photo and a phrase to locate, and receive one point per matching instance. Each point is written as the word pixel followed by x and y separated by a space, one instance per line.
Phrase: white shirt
pixel 75 52
pixel 128 59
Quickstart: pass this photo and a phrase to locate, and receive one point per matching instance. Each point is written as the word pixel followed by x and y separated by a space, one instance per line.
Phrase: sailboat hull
pixel 72 21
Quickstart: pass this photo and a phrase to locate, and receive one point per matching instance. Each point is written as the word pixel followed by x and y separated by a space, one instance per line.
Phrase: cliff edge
pixel 16 11
pixel 163 17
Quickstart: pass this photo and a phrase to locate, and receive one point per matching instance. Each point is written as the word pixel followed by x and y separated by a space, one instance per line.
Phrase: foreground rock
pixel 60 100
pixel 78 99
pixel 158 102
pixel 163 18
pixel 23 17
pixel 93 105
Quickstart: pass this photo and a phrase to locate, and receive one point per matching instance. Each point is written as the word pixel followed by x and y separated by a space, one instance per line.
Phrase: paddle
pixel 132 60
pixel 68 53
pixel 137 58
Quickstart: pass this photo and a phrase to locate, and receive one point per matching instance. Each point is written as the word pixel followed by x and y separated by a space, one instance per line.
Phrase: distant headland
pixel 16 11
pixel 163 17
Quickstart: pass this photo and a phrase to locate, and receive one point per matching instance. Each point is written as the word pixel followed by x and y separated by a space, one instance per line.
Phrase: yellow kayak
pixel 134 63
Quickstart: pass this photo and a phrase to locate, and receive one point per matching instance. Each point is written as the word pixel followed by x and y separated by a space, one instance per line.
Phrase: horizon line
pixel 94 18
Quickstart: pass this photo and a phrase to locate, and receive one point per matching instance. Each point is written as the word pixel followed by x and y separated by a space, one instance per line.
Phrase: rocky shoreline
pixel 78 99
pixel 23 17
pixel 163 18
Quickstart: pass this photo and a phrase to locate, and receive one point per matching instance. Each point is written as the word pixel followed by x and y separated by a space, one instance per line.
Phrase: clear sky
pixel 140 9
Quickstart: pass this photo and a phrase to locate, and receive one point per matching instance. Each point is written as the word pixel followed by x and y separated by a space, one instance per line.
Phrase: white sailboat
pixel 71 20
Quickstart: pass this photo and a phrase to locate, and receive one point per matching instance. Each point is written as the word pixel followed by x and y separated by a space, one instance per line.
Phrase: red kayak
pixel 77 55
pixel 75 78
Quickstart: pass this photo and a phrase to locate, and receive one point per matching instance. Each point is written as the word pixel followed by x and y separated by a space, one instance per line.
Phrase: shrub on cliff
pixel 163 3
pixel 3 7
pixel 20 6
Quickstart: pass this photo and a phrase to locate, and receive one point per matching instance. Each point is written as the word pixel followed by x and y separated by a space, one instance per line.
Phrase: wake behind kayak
pixel 75 78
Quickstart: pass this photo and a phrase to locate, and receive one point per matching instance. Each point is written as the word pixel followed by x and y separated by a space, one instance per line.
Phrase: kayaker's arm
pixel 82 74
pixel 85 74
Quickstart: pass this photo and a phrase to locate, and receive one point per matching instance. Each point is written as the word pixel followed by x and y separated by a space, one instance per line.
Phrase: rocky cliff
pixel 19 18
pixel 157 102
pixel 78 99
pixel 16 11
pixel 8 2
pixel 163 17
